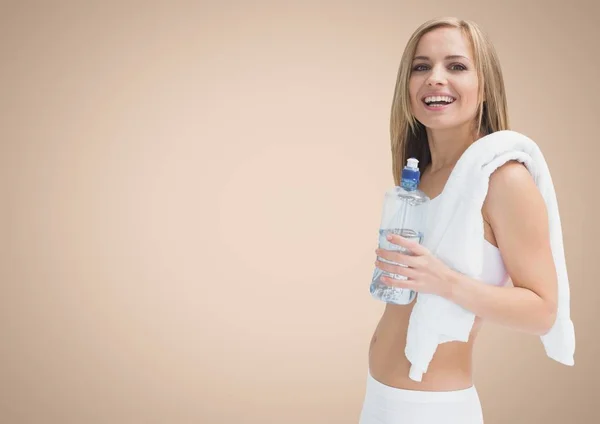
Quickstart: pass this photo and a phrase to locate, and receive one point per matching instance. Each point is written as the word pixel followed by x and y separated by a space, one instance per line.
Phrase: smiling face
pixel 443 83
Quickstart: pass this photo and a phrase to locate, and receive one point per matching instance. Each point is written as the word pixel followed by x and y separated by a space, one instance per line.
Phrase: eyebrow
pixel 454 56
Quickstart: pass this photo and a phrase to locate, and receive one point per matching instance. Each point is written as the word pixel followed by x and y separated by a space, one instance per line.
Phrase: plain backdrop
pixel 191 193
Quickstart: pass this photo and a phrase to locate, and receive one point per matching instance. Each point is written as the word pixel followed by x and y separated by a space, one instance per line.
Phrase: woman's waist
pixel 450 368
pixel 392 330
pixel 455 374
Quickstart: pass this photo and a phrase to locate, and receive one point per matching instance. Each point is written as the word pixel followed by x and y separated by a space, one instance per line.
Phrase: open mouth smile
pixel 438 102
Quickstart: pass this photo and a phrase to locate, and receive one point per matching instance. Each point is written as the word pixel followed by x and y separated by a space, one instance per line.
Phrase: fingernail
pixel 389 237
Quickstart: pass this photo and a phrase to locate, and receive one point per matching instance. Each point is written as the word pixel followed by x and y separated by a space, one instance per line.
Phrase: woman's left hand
pixel 425 272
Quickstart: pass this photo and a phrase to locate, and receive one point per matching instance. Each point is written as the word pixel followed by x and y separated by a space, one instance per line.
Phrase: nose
pixel 437 76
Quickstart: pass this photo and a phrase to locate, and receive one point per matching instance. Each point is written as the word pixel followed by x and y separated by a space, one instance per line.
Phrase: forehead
pixel 442 42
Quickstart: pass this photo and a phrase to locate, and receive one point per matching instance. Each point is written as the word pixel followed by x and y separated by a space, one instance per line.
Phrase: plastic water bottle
pixel 404 213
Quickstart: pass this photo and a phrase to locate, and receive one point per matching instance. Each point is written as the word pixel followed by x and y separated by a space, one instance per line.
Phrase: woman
pixel 449 93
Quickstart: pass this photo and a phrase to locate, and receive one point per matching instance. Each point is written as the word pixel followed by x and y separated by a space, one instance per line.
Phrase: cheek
pixel 469 93
pixel 413 88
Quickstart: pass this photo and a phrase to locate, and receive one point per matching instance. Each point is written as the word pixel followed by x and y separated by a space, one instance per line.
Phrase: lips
pixel 437 108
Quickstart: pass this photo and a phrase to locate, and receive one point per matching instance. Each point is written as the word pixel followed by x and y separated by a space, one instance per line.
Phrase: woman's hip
pixel 389 405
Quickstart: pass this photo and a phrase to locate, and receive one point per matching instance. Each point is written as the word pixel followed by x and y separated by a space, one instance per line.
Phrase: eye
pixel 420 67
pixel 458 67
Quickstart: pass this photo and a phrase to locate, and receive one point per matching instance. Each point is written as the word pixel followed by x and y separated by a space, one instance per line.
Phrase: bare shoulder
pixel 512 189
pixel 512 175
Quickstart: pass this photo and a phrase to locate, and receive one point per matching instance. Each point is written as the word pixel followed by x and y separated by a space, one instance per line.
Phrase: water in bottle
pixel 404 213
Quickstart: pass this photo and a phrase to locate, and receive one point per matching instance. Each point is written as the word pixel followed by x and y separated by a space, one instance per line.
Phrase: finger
pixel 413 246
pixel 396 269
pixel 397 257
pixel 401 284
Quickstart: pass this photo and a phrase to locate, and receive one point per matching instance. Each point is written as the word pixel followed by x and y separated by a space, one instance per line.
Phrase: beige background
pixel 191 194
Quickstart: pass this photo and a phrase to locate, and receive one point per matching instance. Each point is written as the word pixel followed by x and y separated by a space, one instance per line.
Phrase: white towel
pixel 459 229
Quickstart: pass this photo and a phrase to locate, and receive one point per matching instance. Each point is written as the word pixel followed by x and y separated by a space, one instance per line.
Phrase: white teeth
pixel 446 99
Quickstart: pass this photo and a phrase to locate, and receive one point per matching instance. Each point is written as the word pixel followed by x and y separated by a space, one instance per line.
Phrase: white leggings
pixel 389 405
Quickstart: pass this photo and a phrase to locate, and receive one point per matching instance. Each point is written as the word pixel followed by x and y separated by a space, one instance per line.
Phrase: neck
pixel 448 145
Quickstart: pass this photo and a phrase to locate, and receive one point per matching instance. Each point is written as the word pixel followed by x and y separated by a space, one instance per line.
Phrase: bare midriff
pixel 451 366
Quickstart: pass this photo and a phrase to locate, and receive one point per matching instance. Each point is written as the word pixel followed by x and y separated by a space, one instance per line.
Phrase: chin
pixel 444 122
pixel 441 124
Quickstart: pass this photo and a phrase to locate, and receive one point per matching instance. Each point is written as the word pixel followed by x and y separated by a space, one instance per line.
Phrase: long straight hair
pixel 408 136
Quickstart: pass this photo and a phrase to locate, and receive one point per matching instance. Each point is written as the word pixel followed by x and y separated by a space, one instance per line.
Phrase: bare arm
pixel 517 215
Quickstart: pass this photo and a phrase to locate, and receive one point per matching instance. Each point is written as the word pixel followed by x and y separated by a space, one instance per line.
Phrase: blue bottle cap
pixel 411 175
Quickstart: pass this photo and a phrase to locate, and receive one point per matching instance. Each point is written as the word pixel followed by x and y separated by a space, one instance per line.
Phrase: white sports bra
pixel 494 272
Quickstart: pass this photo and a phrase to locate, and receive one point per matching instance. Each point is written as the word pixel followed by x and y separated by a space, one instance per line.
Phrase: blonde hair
pixel 408 136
